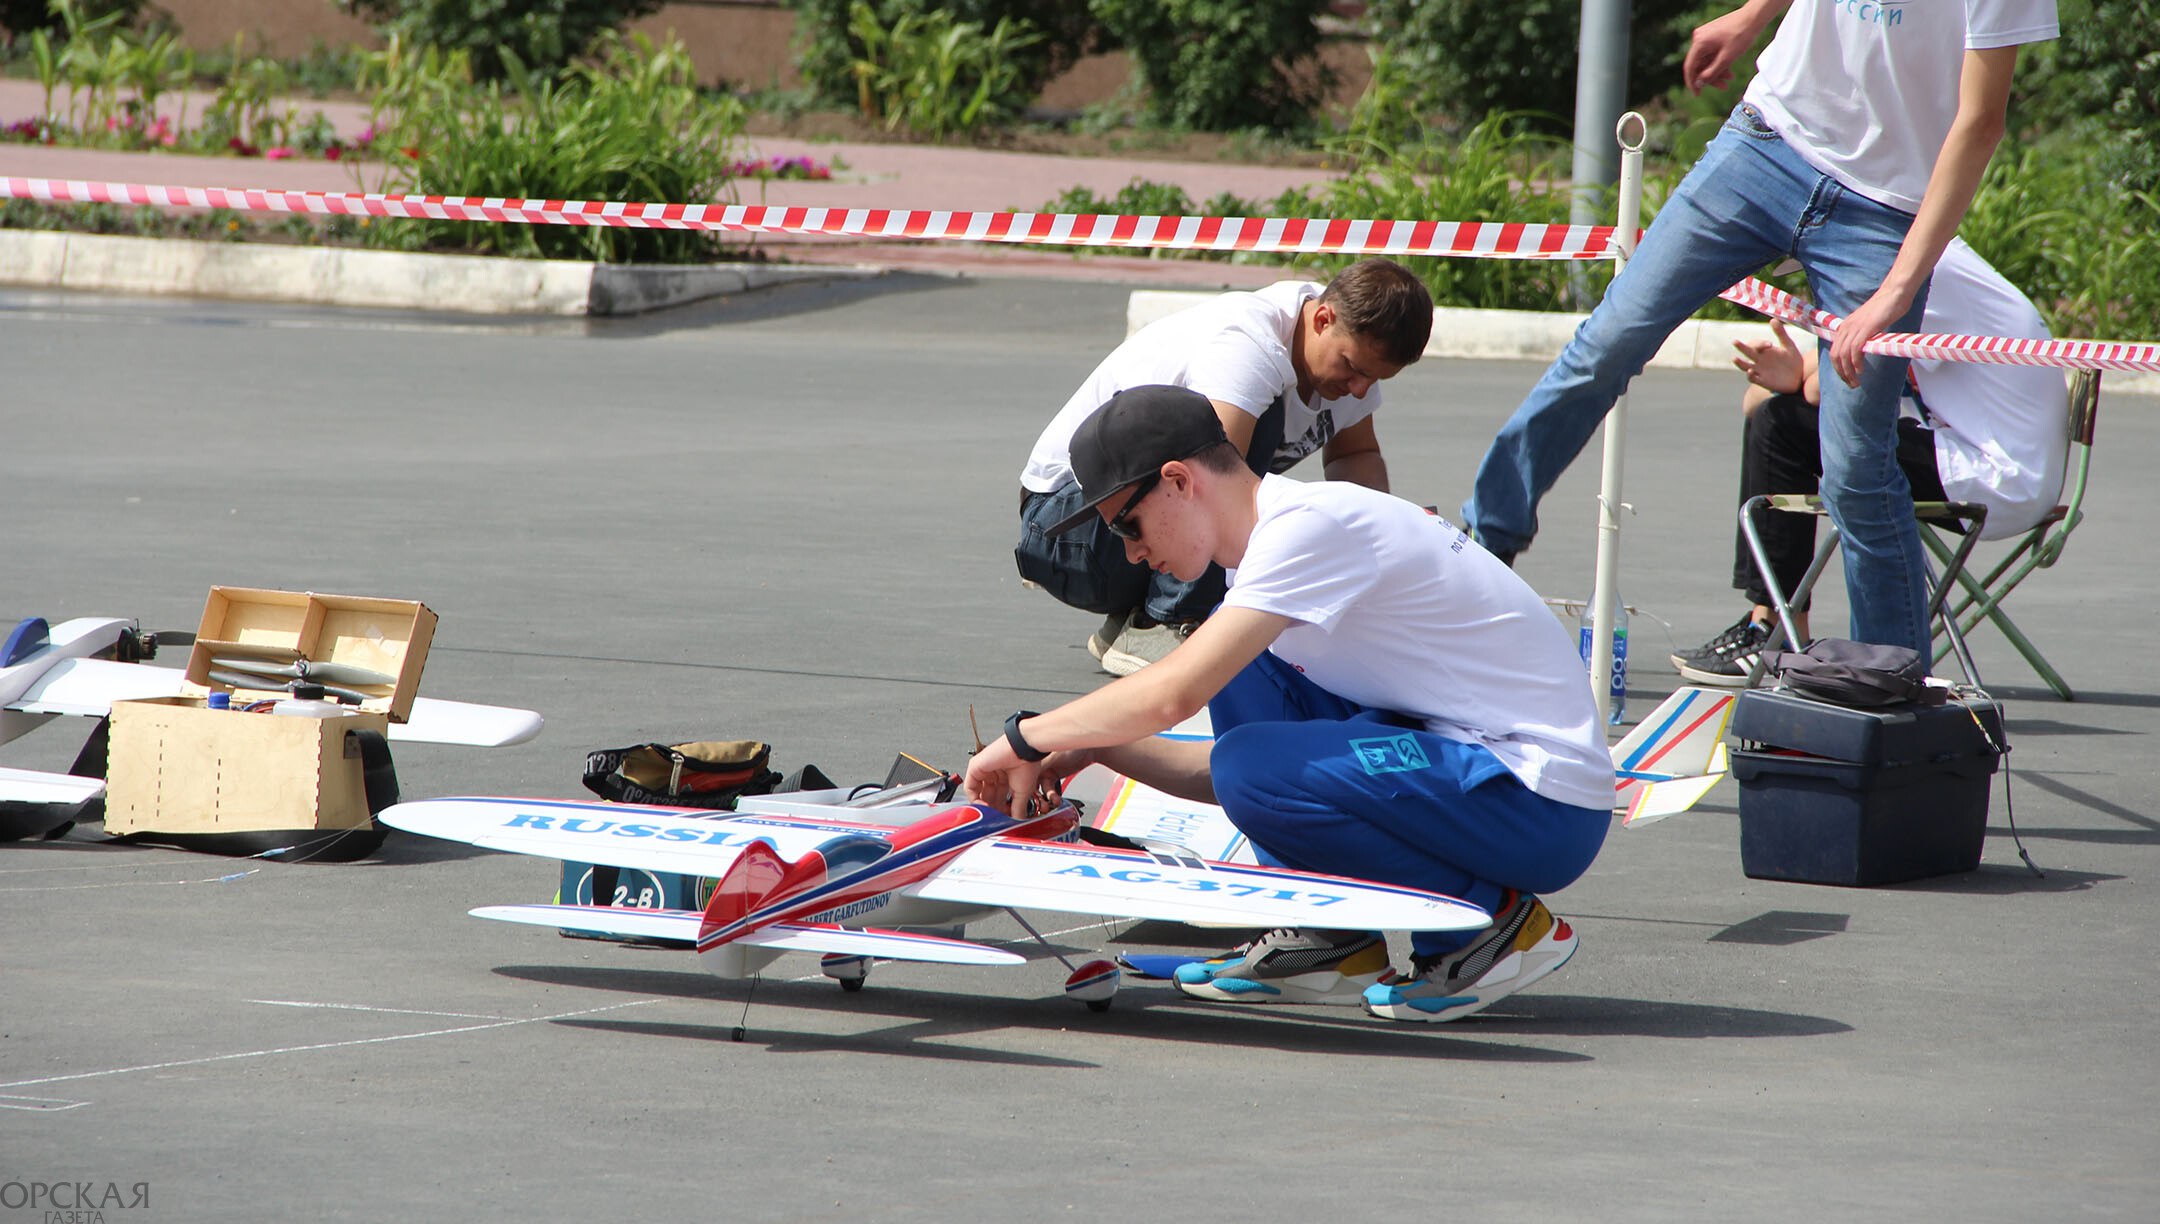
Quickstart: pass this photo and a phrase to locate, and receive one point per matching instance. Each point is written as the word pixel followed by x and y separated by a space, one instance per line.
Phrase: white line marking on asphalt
pixel 325 1045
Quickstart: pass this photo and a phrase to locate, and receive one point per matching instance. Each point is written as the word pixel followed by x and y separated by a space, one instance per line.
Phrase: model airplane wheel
pixel 849 971
pixel 1095 984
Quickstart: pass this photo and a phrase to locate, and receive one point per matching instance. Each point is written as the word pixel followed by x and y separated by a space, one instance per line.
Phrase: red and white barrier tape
pixel 1987 350
pixel 1492 239
pixel 1475 239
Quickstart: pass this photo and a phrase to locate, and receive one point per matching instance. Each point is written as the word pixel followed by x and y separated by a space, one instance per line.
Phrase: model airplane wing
pixel 90 686
pixel 679 840
pixel 1085 879
pixel 682 926
pixel 34 786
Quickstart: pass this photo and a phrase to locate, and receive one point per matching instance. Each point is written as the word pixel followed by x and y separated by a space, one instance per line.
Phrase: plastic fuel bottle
pixel 1619 656
pixel 307 702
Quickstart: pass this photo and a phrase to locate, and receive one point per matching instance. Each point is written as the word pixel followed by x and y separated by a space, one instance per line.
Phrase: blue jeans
pixel 1086 567
pixel 1319 783
pixel 1750 201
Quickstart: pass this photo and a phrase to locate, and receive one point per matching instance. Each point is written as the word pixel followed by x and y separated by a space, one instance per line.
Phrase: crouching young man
pixel 1390 703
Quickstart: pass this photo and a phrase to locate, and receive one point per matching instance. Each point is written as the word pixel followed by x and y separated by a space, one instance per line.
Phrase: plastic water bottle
pixel 307 702
pixel 1619 656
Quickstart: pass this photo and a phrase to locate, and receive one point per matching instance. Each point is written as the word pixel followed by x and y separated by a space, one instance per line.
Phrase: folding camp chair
pixel 1981 598
pixel 1964 518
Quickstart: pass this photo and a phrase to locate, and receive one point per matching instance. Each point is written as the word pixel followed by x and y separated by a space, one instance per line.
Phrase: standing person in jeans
pixel 1291 369
pixel 1856 151
pixel 1996 435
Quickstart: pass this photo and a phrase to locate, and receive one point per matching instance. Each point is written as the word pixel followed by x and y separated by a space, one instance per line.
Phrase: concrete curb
pixel 1527 335
pixel 337 276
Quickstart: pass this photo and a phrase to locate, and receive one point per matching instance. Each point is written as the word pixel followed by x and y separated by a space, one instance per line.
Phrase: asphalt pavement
pixel 788 517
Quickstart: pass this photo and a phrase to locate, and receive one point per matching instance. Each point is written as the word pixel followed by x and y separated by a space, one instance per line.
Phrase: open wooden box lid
pixel 254 643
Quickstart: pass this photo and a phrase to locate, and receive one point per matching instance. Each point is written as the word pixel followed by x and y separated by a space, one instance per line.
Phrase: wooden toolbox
pixel 252 643
pixel 175 767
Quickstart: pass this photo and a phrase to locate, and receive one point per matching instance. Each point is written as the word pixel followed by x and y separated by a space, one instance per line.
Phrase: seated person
pixel 1390 703
pixel 1992 434
pixel 1291 369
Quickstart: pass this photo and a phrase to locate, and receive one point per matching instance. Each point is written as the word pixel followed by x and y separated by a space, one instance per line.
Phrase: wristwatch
pixel 1021 748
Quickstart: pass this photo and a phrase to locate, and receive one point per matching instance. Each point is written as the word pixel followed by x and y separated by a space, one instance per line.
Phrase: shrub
pixel 937 76
pixel 633 128
pixel 539 34
pixel 827 46
pixel 19 17
pixel 1219 65
pixel 1466 59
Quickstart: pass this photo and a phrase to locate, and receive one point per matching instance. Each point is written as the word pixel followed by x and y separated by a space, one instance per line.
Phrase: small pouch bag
pixel 1862 675
pixel 708 774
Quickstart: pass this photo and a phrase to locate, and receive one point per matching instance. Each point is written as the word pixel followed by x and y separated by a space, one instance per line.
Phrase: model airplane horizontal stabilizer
pixel 682 926
pixel 35 786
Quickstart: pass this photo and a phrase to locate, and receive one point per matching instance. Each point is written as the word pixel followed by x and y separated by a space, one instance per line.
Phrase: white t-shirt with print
pixel 1864 90
pixel 2001 431
pixel 1234 348
pixel 1399 611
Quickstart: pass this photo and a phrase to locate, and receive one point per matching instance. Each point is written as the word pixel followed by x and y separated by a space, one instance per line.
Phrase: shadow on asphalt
pixel 1142 1011
pixel 1155 1013
pixel 771 302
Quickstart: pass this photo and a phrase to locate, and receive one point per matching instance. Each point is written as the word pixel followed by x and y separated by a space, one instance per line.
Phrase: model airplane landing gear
pixel 1095 984
pixel 849 971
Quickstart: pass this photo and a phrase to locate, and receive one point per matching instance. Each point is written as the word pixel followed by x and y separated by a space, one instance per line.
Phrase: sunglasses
pixel 1141 488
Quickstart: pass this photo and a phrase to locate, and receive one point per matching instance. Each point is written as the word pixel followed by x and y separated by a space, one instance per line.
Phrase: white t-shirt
pixel 1234 348
pixel 1864 90
pixel 1400 611
pixel 2001 431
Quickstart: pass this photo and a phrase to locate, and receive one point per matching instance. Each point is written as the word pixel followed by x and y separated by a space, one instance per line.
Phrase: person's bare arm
pixel 1719 43
pixel 1154 699
pixel 1983 98
pixel 1354 455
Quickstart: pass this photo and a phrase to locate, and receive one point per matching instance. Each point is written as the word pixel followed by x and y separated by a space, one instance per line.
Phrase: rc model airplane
pixel 82 666
pixel 813 872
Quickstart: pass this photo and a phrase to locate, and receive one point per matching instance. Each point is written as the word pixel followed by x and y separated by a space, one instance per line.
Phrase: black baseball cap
pixel 1131 436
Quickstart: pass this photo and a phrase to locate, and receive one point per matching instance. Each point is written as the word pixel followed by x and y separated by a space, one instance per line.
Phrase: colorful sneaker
pixel 1525 943
pixel 1292 966
pixel 1137 647
pixel 1100 642
pixel 1727 658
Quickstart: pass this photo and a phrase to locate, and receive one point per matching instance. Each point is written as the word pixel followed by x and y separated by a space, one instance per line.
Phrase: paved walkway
pixel 866 176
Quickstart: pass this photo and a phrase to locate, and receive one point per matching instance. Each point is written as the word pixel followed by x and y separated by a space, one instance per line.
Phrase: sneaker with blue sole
pixel 1292 966
pixel 1525 943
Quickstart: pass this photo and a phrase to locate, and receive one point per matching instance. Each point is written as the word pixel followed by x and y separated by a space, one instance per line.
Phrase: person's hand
pixel 1716 46
pixel 997 776
pixel 1862 325
pixel 1774 365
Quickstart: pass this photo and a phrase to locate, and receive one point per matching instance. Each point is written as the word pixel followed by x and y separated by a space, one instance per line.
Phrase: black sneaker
pixel 1727 658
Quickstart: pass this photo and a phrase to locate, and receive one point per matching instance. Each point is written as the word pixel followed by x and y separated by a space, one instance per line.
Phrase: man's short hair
pixel 1385 303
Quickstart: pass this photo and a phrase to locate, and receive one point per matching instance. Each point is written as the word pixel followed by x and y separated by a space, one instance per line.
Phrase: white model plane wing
pixel 682 926
pixel 682 840
pixel 90 686
pixel 35 786
pixel 1085 879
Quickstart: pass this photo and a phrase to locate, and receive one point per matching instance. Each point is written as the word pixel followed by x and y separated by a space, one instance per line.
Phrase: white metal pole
pixel 1605 592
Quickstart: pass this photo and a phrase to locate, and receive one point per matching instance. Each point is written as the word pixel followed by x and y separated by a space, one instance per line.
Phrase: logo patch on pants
pixel 1394 754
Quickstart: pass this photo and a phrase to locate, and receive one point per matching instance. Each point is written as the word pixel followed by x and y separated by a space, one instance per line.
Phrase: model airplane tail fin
pixel 1679 742
pixel 750 879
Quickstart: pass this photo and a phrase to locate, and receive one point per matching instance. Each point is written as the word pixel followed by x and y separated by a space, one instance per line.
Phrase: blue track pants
pixel 1319 783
